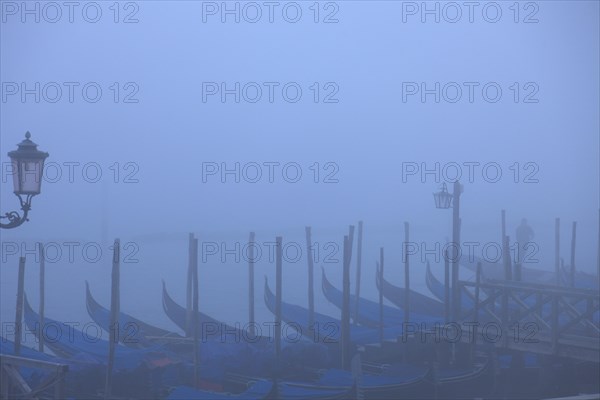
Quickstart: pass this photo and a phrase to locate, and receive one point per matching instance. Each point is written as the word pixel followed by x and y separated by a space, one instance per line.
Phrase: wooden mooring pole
pixel 189 288
pixel 557 250
pixel 406 276
pixel 311 278
pixel 358 268
pixel 278 298
pixel 381 295
pixel 19 308
pixel 572 266
pixel 42 294
pixel 251 260
pixel 114 316
pixel 345 320
pixel 195 312
pixel 348 239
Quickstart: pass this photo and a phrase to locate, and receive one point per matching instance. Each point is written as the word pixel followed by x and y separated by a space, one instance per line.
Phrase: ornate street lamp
pixel 445 200
pixel 27 169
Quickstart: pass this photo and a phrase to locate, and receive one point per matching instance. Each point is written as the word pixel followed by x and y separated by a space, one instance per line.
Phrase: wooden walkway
pixel 533 317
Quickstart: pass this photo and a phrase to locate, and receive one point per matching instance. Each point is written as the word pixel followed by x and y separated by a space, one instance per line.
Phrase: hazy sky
pixel 159 125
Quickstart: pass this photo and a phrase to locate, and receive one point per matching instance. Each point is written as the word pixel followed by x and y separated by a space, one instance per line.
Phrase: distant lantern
pixel 28 167
pixel 443 199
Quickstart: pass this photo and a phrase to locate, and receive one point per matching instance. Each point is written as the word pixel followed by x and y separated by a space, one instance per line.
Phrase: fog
pixel 165 150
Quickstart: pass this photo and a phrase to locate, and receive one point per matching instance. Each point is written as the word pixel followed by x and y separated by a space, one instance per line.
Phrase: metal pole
pixel 446 286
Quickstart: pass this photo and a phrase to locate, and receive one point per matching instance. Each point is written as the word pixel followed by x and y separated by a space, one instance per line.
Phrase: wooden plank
pixel 19 307
pixel 42 295
pixel 16 379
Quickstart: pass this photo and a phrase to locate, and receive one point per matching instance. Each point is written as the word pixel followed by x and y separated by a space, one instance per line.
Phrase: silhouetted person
pixel 524 236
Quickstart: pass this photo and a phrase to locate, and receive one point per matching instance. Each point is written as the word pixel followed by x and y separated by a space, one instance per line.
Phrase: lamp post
pixel 27 169
pixel 445 200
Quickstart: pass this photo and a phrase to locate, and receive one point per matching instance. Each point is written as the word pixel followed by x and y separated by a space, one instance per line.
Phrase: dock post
pixel 19 308
pixel 358 268
pixel 506 258
pixel 251 321
pixel 278 298
pixel 348 240
pixel 114 316
pixel 507 277
pixel 42 294
pixel 189 288
pixel 195 311
pixel 381 296
pixel 406 276
pixel 311 279
pixel 345 320
pixel 446 287
pixel 557 250
pixel 476 308
pixel 572 269
pixel 456 242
